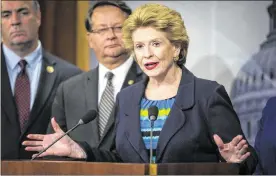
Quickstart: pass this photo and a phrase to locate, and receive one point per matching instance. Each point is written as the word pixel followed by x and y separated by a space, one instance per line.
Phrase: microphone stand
pixel 151 134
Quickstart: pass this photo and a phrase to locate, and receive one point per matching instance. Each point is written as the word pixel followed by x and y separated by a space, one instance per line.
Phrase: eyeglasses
pixel 102 31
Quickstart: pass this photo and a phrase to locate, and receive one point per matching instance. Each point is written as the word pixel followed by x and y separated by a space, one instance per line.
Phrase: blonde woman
pixel 196 121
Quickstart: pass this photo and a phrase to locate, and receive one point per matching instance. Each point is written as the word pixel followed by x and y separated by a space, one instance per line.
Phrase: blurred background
pixel 231 42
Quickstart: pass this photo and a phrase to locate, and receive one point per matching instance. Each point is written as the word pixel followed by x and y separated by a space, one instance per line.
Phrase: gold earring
pixel 175 58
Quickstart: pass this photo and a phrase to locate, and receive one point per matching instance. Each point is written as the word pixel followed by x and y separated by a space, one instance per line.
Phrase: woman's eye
pixel 156 44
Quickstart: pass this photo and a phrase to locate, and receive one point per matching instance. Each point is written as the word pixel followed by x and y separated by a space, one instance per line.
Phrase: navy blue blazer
pixel 202 108
pixel 265 143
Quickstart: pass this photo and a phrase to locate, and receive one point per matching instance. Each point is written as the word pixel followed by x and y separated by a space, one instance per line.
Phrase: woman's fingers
pixel 243 157
pixel 243 150
pixel 55 126
pixel 34 149
pixel 32 143
pixel 236 140
pixel 241 144
pixel 36 136
pixel 218 141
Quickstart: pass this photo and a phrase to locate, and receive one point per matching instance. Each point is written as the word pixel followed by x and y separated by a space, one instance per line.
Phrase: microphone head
pixel 88 117
pixel 153 113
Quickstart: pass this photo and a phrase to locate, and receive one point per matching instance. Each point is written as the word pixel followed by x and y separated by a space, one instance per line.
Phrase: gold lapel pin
pixel 130 82
pixel 50 69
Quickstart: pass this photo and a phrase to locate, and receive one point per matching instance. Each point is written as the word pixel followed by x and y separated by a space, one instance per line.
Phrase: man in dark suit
pixel 29 77
pixel 76 96
pixel 265 143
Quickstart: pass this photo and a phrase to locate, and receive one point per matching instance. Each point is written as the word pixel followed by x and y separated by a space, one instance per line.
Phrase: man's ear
pixel 89 39
pixel 38 17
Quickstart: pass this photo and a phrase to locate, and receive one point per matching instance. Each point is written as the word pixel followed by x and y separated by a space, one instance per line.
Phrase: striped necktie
pixel 106 103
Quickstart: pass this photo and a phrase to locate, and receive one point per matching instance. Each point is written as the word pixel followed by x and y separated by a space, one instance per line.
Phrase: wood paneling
pixel 82 53
pixel 58 31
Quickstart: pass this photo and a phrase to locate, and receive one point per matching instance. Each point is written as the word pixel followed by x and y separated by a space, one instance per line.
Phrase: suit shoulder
pixel 62 64
pixel 206 88
pixel 269 108
pixel 271 102
pixel 203 87
pixel 78 81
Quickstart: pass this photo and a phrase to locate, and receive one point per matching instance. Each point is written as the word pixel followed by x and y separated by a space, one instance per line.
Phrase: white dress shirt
pixel 120 74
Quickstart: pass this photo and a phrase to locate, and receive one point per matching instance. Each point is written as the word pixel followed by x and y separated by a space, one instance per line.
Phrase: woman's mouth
pixel 151 65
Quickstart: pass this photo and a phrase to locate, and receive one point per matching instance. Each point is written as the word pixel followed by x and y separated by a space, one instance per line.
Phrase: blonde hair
pixel 161 18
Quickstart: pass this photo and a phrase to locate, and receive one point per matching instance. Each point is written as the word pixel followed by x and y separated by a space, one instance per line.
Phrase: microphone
pixel 153 114
pixel 88 117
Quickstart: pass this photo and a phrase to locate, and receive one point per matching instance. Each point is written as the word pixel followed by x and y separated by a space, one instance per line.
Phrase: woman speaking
pixel 196 121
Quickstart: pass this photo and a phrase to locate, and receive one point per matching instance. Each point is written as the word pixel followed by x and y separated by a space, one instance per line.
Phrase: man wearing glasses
pixel 97 89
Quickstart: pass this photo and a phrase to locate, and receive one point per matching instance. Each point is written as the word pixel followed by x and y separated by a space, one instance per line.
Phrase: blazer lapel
pixel 133 128
pixel 134 74
pixel 91 94
pixel 8 104
pixel 176 119
pixel 46 83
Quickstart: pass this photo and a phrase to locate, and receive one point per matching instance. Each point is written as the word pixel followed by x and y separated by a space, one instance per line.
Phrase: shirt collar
pixel 119 71
pixel 12 58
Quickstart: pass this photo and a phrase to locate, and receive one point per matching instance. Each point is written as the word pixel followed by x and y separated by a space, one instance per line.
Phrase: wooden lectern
pixel 91 168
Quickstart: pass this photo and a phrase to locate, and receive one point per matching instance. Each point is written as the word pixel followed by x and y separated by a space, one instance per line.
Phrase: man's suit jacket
pixel 202 108
pixel 265 143
pixel 76 96
pixel 11 137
